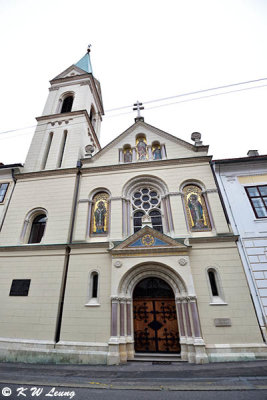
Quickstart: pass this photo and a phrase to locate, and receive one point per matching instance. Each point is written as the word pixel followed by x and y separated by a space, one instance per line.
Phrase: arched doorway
pixel 155 318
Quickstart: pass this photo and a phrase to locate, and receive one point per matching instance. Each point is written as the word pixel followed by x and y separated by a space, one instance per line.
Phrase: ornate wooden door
pixel 155 326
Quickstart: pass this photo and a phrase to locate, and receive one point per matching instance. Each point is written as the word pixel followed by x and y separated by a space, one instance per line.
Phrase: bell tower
pixel 70 121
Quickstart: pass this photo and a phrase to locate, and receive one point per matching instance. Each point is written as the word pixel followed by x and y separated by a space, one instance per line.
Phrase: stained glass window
pixel 146 201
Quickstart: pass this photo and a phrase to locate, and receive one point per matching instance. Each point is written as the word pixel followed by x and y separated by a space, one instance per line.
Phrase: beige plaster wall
pixel 32 316
pixel 55 194
pixel 81 322
pixel 225 258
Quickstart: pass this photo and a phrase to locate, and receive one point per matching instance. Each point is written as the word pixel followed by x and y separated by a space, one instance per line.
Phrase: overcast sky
pixel 141 50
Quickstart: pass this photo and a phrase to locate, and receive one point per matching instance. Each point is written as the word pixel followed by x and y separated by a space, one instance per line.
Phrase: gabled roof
pixel 73 68
pixel 148 241
pixel 157 131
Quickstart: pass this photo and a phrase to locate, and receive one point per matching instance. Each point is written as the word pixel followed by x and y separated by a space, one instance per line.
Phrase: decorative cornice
pixel 38 247
pixel 64 116
pixel 175 194
pixel 44 173
pixel 148 252
pixel 85 201
pixel 210 191
pixel 217 238
pixel 145 164
pixel 115 198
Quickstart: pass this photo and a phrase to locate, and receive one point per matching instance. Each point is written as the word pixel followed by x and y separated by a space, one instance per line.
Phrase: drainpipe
pixel 67 254
pixel 7 206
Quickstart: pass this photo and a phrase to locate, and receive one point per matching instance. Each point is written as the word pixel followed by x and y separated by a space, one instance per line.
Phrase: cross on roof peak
pixel 138 107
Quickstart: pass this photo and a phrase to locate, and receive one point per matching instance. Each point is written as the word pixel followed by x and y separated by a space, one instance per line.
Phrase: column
pixel 134 154
pixel 201 356
pixel 89 218
pixel 163 151
pixel 150 155
pixel 114 316
pixel 189 338
pixel 120 156
pixel 124 218
pixel 113 356
pixel 181 325
pixel 115 231
pixel 179 217
pixel 122 346
pixel 195 318
pixel 130 341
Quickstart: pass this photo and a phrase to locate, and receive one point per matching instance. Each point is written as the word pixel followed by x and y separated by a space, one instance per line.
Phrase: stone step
pixel 150 357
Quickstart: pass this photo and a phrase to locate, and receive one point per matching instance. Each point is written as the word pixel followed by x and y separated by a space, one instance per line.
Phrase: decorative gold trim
pixel 99 214
pixel 196 209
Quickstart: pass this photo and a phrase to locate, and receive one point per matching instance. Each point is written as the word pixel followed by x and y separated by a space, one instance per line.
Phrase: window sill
pixel 218 303
pixel 92 303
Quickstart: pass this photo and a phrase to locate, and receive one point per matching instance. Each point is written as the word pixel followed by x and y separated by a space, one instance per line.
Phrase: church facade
pixel 110 253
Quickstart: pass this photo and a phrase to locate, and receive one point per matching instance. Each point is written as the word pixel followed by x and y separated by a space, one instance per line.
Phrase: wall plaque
pixel 20 287
pixel 222 322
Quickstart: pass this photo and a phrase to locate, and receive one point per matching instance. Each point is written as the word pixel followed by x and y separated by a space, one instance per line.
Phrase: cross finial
pixel 89 48
pixel 138 107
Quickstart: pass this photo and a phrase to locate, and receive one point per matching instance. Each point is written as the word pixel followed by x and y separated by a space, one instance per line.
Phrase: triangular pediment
pixel 72 71
pixel 174 147
pixel 148 240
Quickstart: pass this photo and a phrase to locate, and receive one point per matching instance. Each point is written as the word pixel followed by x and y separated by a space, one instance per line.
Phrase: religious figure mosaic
pixel 156 151
pixel 127 155
pixel 196 210
pixel 100 214
pixel 141 148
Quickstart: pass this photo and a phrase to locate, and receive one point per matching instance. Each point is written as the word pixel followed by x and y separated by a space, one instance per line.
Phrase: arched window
pixel 100 214
pixel 213 284
pixel 196 209
pixel 215 287
pixel 93 289
pixel 37 229
pixel 67 104
pixel 146 202
pixel 94 285
pixel 92 116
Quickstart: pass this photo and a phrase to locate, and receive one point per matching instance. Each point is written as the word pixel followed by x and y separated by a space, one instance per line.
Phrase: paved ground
pixel 245 376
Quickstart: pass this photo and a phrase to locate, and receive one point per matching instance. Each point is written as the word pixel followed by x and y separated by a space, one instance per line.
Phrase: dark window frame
pixel 20 287
pixel 94 294
pixel 2 197
pixel 260 196
pixel 37 229
pixel 213 283
pixel 67 104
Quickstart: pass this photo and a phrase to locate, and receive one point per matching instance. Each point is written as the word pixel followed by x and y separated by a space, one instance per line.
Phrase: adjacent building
pixel 243 185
